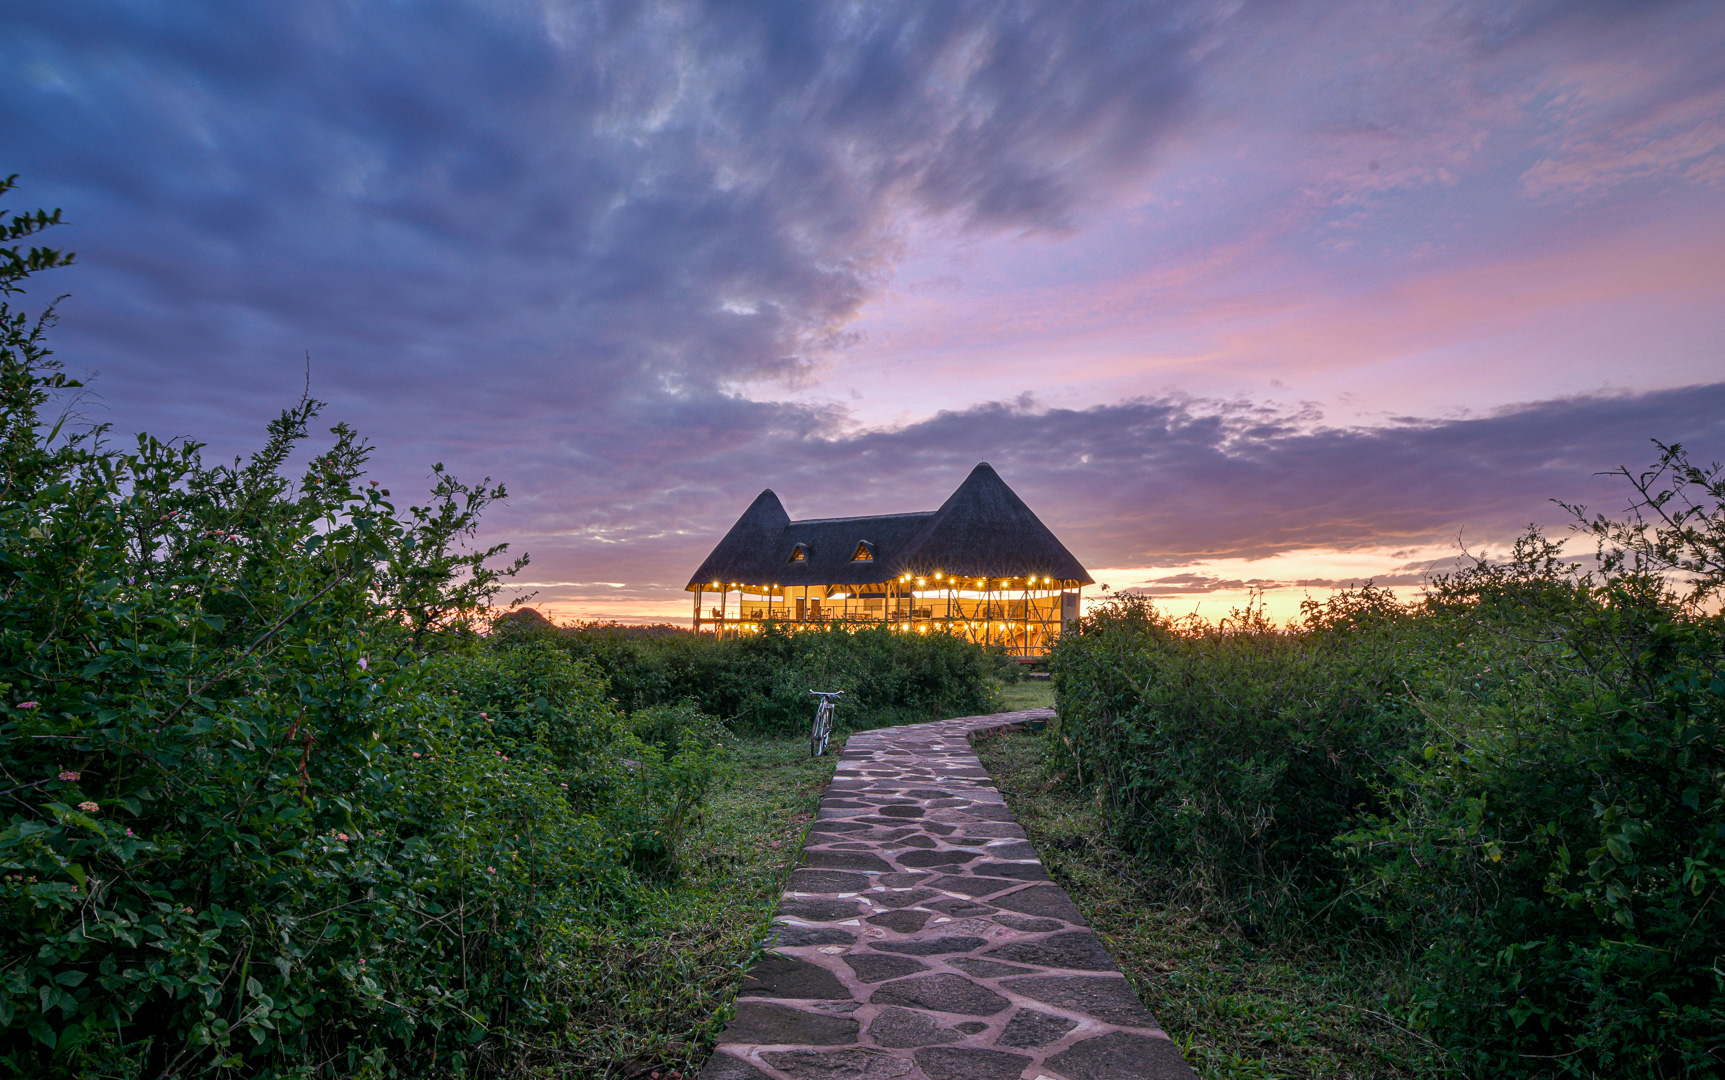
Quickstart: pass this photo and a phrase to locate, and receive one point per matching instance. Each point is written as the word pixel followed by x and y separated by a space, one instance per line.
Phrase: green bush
pixel 759 682
pixel 273 806
pixel 1518 781
pixel 1239 749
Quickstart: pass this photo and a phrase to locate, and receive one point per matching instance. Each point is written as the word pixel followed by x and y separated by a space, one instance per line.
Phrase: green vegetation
pixel 650 995
pixel 1240 1006
pixel 760 682
pixel 1510 795
pixel 277 808
pixel 1028 694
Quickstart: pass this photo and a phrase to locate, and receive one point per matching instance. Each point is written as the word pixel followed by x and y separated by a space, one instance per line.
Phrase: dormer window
pixel 863 553
pixel 800 553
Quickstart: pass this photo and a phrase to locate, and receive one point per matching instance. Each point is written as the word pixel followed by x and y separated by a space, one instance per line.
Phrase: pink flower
pixel 341 836
pixel 69 774
pixel 27 704
pixel 128 834
pixel 491 869
pixel 416 753
pixel 89 806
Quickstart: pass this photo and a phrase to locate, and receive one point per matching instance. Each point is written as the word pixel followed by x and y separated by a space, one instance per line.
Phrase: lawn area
pixel 1239 1010
pixel 648 996
pixel 1029 694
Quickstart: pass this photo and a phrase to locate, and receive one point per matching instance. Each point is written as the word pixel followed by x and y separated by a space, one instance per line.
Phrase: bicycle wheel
pixel 822 729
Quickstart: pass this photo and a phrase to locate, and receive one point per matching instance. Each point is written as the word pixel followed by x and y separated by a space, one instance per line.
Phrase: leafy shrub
pixel 759 683
pixel 272 806
pixel 661 798
pixel 1241 749
pixel 1518 781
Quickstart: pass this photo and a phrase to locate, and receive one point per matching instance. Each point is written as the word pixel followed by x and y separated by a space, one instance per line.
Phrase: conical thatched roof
pixel 984 530
pixel 746 552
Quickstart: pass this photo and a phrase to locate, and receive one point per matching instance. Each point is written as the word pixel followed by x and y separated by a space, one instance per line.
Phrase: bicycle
pixel 823 728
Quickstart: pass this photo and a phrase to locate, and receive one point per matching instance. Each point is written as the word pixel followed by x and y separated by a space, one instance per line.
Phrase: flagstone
pixel 912 975
pixel 879 967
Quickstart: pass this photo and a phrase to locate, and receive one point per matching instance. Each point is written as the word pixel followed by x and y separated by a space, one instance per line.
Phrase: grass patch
pixel 1029 694
pixel 1239 1009
pixel 650 996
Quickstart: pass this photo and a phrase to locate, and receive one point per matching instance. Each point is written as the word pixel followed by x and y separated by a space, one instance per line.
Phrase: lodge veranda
pixel 982 567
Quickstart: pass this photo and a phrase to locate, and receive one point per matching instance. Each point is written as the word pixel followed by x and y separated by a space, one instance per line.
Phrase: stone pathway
pixel 921 938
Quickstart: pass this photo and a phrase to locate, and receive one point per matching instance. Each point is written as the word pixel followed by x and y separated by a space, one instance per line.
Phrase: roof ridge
pixel 861 517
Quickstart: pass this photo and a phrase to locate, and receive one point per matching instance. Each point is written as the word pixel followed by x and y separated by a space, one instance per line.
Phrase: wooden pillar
pixel 697 612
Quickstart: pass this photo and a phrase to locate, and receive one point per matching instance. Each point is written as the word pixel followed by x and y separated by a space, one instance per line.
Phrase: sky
pixel 1278 295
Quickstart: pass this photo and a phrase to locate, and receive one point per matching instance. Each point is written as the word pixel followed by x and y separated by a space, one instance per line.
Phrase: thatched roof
pixel 984 530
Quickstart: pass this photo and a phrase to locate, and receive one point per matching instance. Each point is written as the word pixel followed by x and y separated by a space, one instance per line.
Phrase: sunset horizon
pixel 1244 300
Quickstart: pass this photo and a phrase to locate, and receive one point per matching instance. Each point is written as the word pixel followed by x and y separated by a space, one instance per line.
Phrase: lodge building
pixel 982 566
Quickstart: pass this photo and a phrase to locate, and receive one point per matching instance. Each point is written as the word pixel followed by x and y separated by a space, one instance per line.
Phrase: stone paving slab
pixel 920 938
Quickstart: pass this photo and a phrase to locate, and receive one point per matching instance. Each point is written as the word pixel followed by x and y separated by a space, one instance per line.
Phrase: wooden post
pixel 697 612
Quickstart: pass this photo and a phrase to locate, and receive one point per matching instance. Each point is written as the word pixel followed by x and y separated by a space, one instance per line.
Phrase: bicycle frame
pixel 823 726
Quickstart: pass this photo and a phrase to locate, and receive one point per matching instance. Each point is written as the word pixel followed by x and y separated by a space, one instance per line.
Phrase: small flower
pixel 564 786
pixel 364 662
pixel 70 774
pixel 128 834
pixel 416 753
pixel 89 806
pixel 28 704
pixel 491 869
pixel 341 836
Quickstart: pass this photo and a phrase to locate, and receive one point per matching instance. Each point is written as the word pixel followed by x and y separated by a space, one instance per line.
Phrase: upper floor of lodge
pixel 982 538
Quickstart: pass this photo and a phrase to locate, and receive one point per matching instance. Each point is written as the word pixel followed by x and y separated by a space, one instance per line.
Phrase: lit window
pixel 800 553
pixel 863 553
